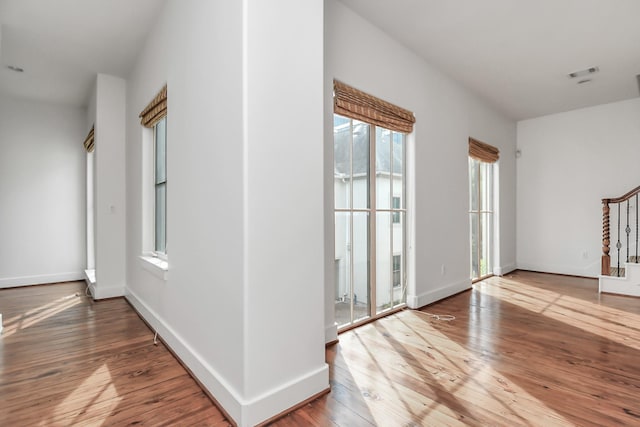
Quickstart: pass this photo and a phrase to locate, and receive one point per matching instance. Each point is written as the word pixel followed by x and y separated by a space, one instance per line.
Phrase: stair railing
pixel 621 240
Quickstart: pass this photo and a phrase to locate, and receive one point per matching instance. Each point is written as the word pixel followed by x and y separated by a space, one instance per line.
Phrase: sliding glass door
pixel 370 220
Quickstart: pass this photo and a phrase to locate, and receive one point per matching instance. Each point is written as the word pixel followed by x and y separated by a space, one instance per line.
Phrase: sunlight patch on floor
pixel 461 388
pixel 612 324
pixel 95 394
pixel 36 315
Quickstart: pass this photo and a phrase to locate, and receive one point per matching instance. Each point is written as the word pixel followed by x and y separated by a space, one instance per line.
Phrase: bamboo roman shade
pixel 89 141
pixel 483 152
pixel 156 109
pixel 358 105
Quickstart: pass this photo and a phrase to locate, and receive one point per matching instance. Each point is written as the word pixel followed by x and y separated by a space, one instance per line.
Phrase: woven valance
pixel 483 152
pixel 156 109
pixel 89 141
pixel 358 105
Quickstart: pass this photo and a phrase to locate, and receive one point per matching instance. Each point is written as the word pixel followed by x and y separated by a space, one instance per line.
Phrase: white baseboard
pixel 244 412
pixel 426 298
pixel 42 279
pixel 592 270
pixel 100 292
pixel 286 396
pixel 505 269
pixel 330 333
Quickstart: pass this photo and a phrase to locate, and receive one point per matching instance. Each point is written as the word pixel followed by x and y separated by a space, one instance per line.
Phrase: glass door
pixel 481 218
pixel 370 218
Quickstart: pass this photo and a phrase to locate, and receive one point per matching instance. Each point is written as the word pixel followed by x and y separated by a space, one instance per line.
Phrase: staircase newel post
pixel 606 260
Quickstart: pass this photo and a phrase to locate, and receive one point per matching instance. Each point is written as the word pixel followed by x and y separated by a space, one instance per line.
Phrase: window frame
pixel 372 209
pixel 156 252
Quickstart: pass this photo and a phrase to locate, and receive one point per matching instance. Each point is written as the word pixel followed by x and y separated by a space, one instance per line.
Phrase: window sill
pixel 155 266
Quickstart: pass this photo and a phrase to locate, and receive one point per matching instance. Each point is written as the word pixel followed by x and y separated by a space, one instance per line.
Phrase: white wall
pixel 283 139
pixel 362 56
pixel 109 184
pixel 569 162
pixel 230 306
pixel 42 192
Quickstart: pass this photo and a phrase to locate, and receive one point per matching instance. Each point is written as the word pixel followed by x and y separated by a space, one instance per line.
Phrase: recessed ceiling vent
pixel 585 72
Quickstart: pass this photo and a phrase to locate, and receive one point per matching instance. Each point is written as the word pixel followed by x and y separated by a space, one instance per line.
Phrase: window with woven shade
pixel 89 141
pixel 482 151
pixel 370 205
pixel 358 105
pixel 154 117
pixel 155 110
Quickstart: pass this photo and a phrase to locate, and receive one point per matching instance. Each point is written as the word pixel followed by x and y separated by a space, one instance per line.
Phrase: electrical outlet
pixel 443 270
pixel 585 255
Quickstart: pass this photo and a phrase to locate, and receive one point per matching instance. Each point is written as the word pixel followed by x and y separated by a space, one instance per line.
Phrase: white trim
pixel 501 271
pixel 90 276
pixel 244 412
pixel 156 266
pixel 426 298
pixel 591 270
pixel 629 284
pixel 330 333
pixel 285 396
pixel 208 377
pixel 101 292
pixel 42 279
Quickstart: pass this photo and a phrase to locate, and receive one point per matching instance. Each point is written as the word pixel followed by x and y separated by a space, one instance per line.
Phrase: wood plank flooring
pixel 526 349
pixel 66 360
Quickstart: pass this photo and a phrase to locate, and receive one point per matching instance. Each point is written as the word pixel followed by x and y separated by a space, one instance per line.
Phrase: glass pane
pixel 384 262
pixel 343 268
pixel 361 165
pixel 396 205
pixel 398 157
pixel 361 281
pixel 486 199
pixel 485 251
pixel 398 267
pixel 383 168
pixel 473 224
pixel 474 167
pixel 342 161
pixel 161 218
pixel 161 151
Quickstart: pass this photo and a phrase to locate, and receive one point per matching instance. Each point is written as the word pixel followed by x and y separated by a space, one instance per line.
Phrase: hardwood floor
pixel 65 360
pixel 526 349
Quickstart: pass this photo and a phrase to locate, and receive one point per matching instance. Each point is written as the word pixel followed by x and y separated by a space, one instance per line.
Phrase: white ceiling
pixel 513 53
pixel 516 53
pixel 62 44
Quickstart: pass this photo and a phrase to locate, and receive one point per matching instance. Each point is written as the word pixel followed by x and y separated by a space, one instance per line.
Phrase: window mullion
pixel 372 220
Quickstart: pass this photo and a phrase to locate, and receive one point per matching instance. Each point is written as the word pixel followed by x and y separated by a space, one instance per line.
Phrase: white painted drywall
pixel 109 182
pixel 362 56
pixel 283 143
pixel 569 162
pixel 42 192
pixel 241 258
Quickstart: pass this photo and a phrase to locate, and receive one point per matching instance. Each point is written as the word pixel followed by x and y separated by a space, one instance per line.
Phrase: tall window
pixel 370 219
pixel 160 182
pixel 154 118
pixel 481 201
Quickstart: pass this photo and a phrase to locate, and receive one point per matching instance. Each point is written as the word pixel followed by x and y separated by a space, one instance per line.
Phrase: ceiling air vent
pixel 585 72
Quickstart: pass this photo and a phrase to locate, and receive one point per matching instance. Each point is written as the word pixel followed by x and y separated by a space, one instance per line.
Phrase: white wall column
pixel 109 184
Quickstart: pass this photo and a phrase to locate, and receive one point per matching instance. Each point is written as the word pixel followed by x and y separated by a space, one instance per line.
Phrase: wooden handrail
pixel 624 198
pixel 606 259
